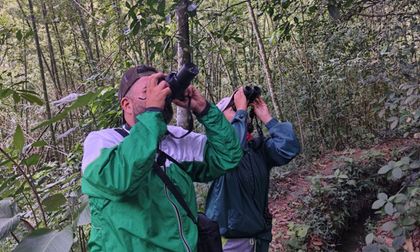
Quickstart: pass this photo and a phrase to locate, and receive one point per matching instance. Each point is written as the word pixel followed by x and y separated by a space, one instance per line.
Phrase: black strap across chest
pixel 160 162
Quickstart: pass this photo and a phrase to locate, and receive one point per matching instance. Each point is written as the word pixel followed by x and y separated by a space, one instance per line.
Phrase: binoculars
pixel 179 81
pixel 252 93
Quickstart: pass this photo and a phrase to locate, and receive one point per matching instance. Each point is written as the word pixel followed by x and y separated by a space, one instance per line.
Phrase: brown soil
pixel 288 192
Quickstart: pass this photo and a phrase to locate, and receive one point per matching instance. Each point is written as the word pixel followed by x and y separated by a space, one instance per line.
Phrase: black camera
pixel 252 93
pixel 179 81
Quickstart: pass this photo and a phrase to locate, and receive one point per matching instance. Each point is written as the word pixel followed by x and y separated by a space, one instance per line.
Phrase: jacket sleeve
pixel 282 145
pixel 239 124
pixel 118 171
pixel 222 150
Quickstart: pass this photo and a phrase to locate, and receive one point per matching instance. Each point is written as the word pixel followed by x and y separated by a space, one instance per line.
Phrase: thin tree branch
pixel 33 188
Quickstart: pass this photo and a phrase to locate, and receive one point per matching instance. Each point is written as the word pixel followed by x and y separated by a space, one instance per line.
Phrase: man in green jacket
pixel 131 208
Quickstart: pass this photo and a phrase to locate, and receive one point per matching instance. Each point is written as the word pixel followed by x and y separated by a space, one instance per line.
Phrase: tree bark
pixel 41 70
pixel 184 54
pixel 264 61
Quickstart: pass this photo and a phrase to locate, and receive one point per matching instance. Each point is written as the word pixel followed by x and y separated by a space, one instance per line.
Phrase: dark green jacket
pixel 131 210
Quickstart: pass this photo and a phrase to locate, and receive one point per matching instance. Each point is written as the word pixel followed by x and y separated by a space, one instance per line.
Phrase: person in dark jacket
pixel 238 200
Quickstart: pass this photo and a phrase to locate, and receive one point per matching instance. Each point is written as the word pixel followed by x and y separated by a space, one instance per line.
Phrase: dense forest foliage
pixel 344 72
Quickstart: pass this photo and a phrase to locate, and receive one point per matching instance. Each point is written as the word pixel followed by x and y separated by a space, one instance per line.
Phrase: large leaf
pixel 369 238
pixel 388 226
pixel 45 240
pixel 84 212
pixel 9 218
pixel 384 169
pixel 54 202
pixel 7 225
pixel 389 208
pixel 80 102
pixel 397 173
pixel 8 208
pixel 18 139
pixel 32 98
pixel 378 204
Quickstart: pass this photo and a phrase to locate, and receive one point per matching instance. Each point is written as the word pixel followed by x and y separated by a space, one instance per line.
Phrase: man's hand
pixel 261 110
pixel 198 102
pixel 157 92
pixel 240 100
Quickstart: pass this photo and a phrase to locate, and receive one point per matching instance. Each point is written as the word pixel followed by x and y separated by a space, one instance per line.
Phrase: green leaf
pixel 384 169
pixel 389 208
pixel 45 240
pixel 9 218
pixel 397 231
pixel 302 231
pixel 32 159
pixel 83 100
pixel 398 242
pixel 80 102
pixel 40 143
pixel 394 124
pixel 382 196
pixel 405 160
pixel 371 248
pixel 415 165
pixel 388 226
pixel 397 173
pixel 8 208
pixel 378 204
pixel 19 35
pixel 54 202
pixel 238 39
pixel 392 119
pixel 16 97
pixel 18 139
pixel 400 198
pixel 32 98
pixel 84 212
pixel 7 225
pixel 407 221
pixel 369 238
pixel 5 92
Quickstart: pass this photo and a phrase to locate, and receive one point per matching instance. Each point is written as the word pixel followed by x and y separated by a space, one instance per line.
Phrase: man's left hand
pixel 261 110
pixel 198 102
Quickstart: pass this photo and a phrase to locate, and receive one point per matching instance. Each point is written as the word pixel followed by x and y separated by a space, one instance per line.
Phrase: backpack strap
pixel 121 131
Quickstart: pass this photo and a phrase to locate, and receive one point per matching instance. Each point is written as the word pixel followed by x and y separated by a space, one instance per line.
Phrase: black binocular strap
pixel 165 179
pixel 162 156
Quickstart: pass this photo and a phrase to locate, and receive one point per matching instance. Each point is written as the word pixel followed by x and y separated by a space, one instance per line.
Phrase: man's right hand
pixel 261 110
pixel 157 91
pixel 240 100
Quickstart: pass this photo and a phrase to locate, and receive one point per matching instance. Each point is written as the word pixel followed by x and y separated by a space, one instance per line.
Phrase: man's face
pixel 138 94
pixel 134 102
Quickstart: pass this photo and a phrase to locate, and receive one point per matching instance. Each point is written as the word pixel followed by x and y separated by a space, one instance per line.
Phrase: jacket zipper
pixel 178 217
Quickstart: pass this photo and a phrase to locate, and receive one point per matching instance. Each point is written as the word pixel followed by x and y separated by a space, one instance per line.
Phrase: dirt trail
pixel 287 193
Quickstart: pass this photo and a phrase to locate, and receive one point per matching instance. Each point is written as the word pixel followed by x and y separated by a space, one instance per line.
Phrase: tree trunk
pixel 184 54
pixel 96 40
pixel 85 35
pixel 41 70
pixel 54 70
pixel 264 61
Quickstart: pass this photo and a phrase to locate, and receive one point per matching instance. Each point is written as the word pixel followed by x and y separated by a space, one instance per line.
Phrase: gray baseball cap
pixel 131 76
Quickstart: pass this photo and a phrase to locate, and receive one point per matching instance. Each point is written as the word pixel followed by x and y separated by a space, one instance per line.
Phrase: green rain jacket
pixel 131 209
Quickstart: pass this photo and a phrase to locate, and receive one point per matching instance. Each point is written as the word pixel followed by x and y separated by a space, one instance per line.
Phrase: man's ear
pixel 127 106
